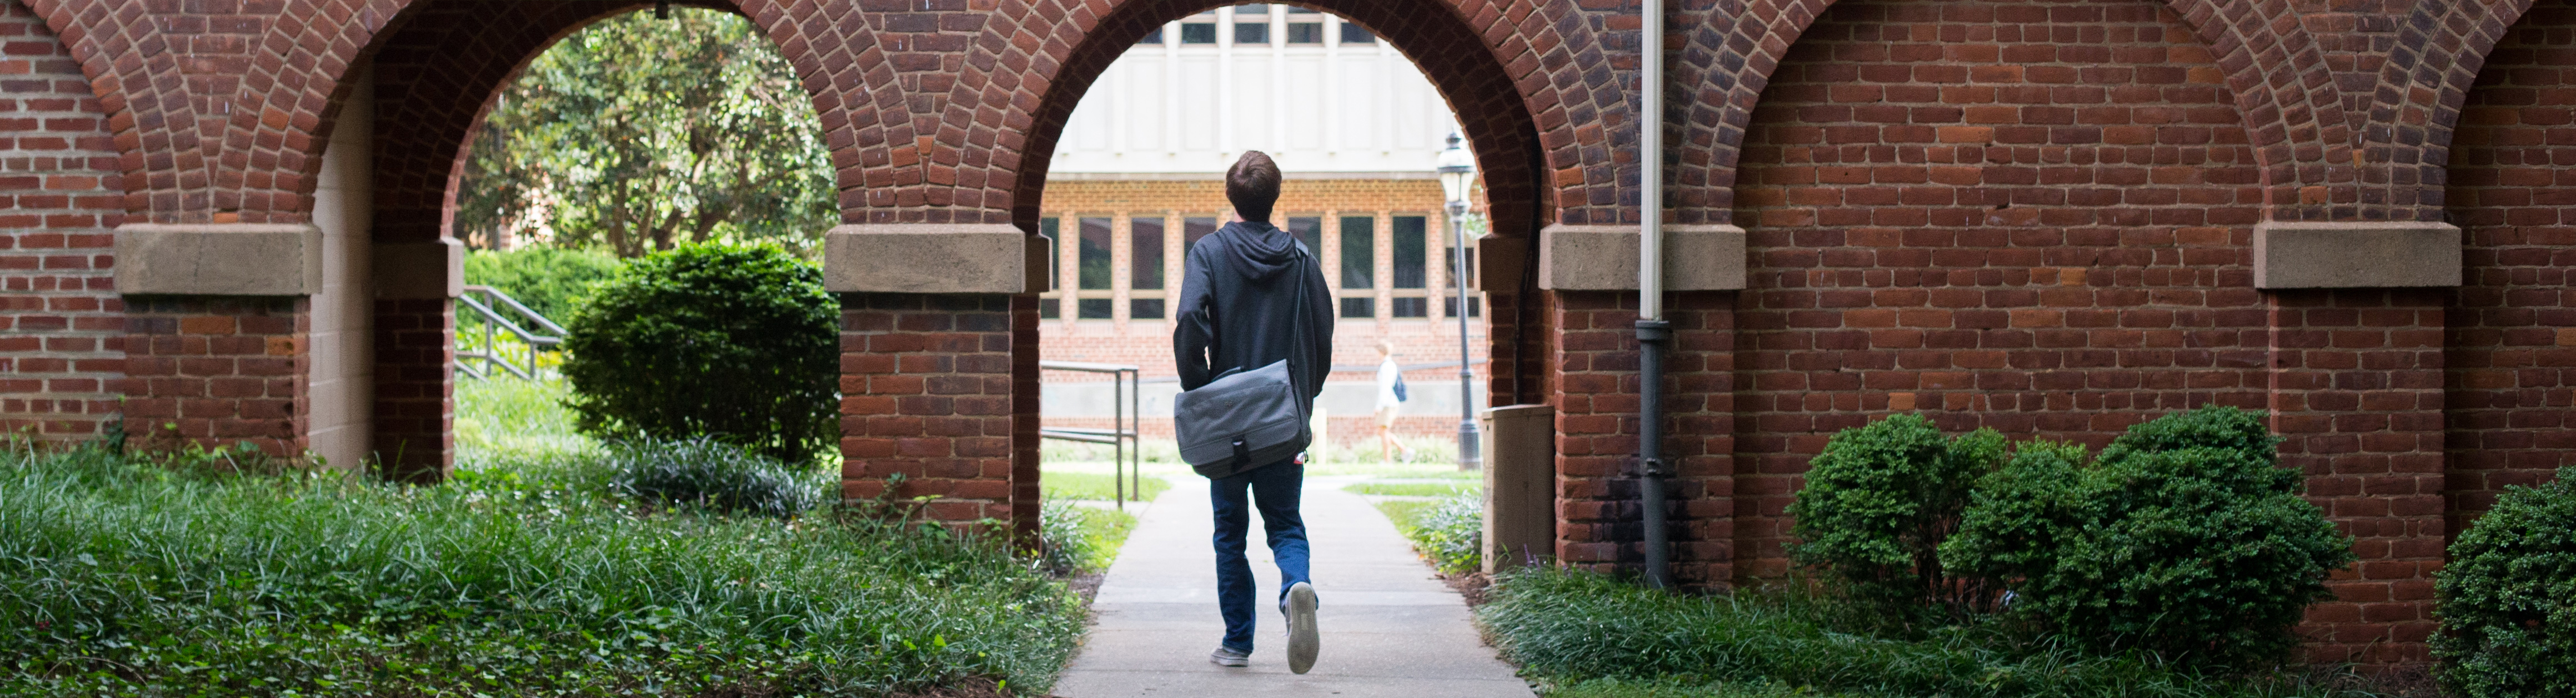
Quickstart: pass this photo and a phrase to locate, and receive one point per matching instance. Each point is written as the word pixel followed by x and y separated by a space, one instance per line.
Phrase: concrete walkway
pixel 1389 627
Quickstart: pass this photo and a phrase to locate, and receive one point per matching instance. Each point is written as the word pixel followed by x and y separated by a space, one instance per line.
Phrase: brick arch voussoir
pixel 1518 78
pixel 2276 71
pixel 477 52
pixel 119 54
pixel 2415 112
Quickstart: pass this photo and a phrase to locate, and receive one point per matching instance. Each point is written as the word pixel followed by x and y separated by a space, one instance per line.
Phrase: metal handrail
pixel 491 355
pixel 1126 424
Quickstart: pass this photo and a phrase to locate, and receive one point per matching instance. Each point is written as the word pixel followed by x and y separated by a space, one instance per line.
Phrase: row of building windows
pixel 1355 287
pixel 1255 24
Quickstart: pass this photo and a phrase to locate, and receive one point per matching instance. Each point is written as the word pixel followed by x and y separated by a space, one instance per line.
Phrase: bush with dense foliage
pixel 2508 597
pixel 124 579
pixel 1449 532
pixel 550 280
pixel 738 344
pixel 703 473
pixel 2185 538
pixel 1880 499
pixel 1607 637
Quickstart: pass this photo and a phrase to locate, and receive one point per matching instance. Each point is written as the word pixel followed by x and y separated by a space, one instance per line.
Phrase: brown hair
pixel 1253 185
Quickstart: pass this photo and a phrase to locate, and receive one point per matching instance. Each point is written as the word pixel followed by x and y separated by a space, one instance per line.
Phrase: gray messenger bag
pixel 1245 419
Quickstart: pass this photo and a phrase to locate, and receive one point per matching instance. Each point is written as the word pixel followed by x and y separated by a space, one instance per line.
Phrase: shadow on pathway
pixel 1389 627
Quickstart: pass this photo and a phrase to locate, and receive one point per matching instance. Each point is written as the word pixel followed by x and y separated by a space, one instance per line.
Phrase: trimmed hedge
pixel 2508 597
pixel 1880 500
pixel 738 344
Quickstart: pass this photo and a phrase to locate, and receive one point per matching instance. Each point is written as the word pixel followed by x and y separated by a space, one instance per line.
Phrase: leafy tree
pixel 638 133
pixel 738 344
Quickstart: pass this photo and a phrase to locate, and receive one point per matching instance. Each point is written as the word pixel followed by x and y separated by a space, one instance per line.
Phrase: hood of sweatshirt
pixel 1259 252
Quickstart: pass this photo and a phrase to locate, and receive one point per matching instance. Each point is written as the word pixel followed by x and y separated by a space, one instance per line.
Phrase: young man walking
pixel 1251 294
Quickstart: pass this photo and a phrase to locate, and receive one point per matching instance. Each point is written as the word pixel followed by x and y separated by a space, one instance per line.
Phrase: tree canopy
pixel 639 133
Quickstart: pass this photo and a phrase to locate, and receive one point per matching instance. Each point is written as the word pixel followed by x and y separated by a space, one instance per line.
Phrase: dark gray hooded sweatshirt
pixel 1238 308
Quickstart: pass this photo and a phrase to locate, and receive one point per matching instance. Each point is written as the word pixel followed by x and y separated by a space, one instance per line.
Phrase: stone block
pixel 1520 484
pixel 420 270
pixel 1604 258
pixel 2390 254
pixel 926 258
pixel 218 259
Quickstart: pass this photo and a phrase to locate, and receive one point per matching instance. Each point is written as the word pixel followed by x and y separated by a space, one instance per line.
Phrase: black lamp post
pixel 1457 174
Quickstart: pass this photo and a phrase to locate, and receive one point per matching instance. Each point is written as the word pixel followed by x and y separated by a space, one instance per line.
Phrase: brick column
pixel 216 371
pixel 2357 391
pixel 415 383
pixel 1597 429
pixel 926 386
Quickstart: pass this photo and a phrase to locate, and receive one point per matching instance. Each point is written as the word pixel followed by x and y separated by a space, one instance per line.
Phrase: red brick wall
pixel 415 388
pixel 2511 346
pixel 61 324
pixel 2021 215
pixel 1600 513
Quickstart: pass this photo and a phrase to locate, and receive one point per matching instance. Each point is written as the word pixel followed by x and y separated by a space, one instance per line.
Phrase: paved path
pixel 1389 627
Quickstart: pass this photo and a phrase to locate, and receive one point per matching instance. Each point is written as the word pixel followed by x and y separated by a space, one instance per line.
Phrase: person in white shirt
pixel 1390 395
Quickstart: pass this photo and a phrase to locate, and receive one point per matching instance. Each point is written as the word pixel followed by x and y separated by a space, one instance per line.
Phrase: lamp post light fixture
pixel 1457 174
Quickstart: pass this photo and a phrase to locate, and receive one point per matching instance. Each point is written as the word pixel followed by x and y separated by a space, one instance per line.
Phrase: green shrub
pixel 1077 539
pixel 717 476
pixel 2185 539
pixel 120 579
pixel 735 343
pixel 550 280
pixel 2508 597
pixel 1573 628
pixel 1880 499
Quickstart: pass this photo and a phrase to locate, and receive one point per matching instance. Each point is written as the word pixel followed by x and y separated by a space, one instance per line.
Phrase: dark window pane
pixel 1309 230
pixel 1251 10
pixel 1050 308
pixel 1449 260
pixel 1363 308
pixel 1475 306
pixel 1303 11
pixel 1145 309
pixel 1249 33
pixel 1051 228
pixel 1409 252
pixel 1306 33
pixel 1095 254
pixel 1412 307
pixel 1192 229
pixel 1091 309
pixel 1152 37
pixel 1359 252
pixel 1356 34
pixel 1145 258
pixel 1199 33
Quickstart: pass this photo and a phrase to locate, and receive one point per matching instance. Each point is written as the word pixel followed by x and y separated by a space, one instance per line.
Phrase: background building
pixel 1137 179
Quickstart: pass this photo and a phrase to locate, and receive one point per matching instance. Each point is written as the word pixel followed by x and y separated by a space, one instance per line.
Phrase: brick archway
pixel 2290 103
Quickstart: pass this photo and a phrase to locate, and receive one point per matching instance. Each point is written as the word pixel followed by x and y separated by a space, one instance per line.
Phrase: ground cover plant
pixel 2508 597
pixel 1449 533
pixel 1588 635
pixel 133 579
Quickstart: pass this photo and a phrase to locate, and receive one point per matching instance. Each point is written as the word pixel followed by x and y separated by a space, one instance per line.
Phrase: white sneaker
pixel 1226 656
pixel 1303 639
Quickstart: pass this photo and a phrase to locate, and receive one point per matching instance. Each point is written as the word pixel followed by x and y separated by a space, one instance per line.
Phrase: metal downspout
pixel 1653 333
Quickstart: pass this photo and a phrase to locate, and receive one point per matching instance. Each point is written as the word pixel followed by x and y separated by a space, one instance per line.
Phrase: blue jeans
pixel 1274 490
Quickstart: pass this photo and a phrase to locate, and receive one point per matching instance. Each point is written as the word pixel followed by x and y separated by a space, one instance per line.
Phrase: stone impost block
pixel 1041 274
pixel 219 259
pixel 2392 254
pixel 420 270
pixel 926 258
pixel 1604 258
